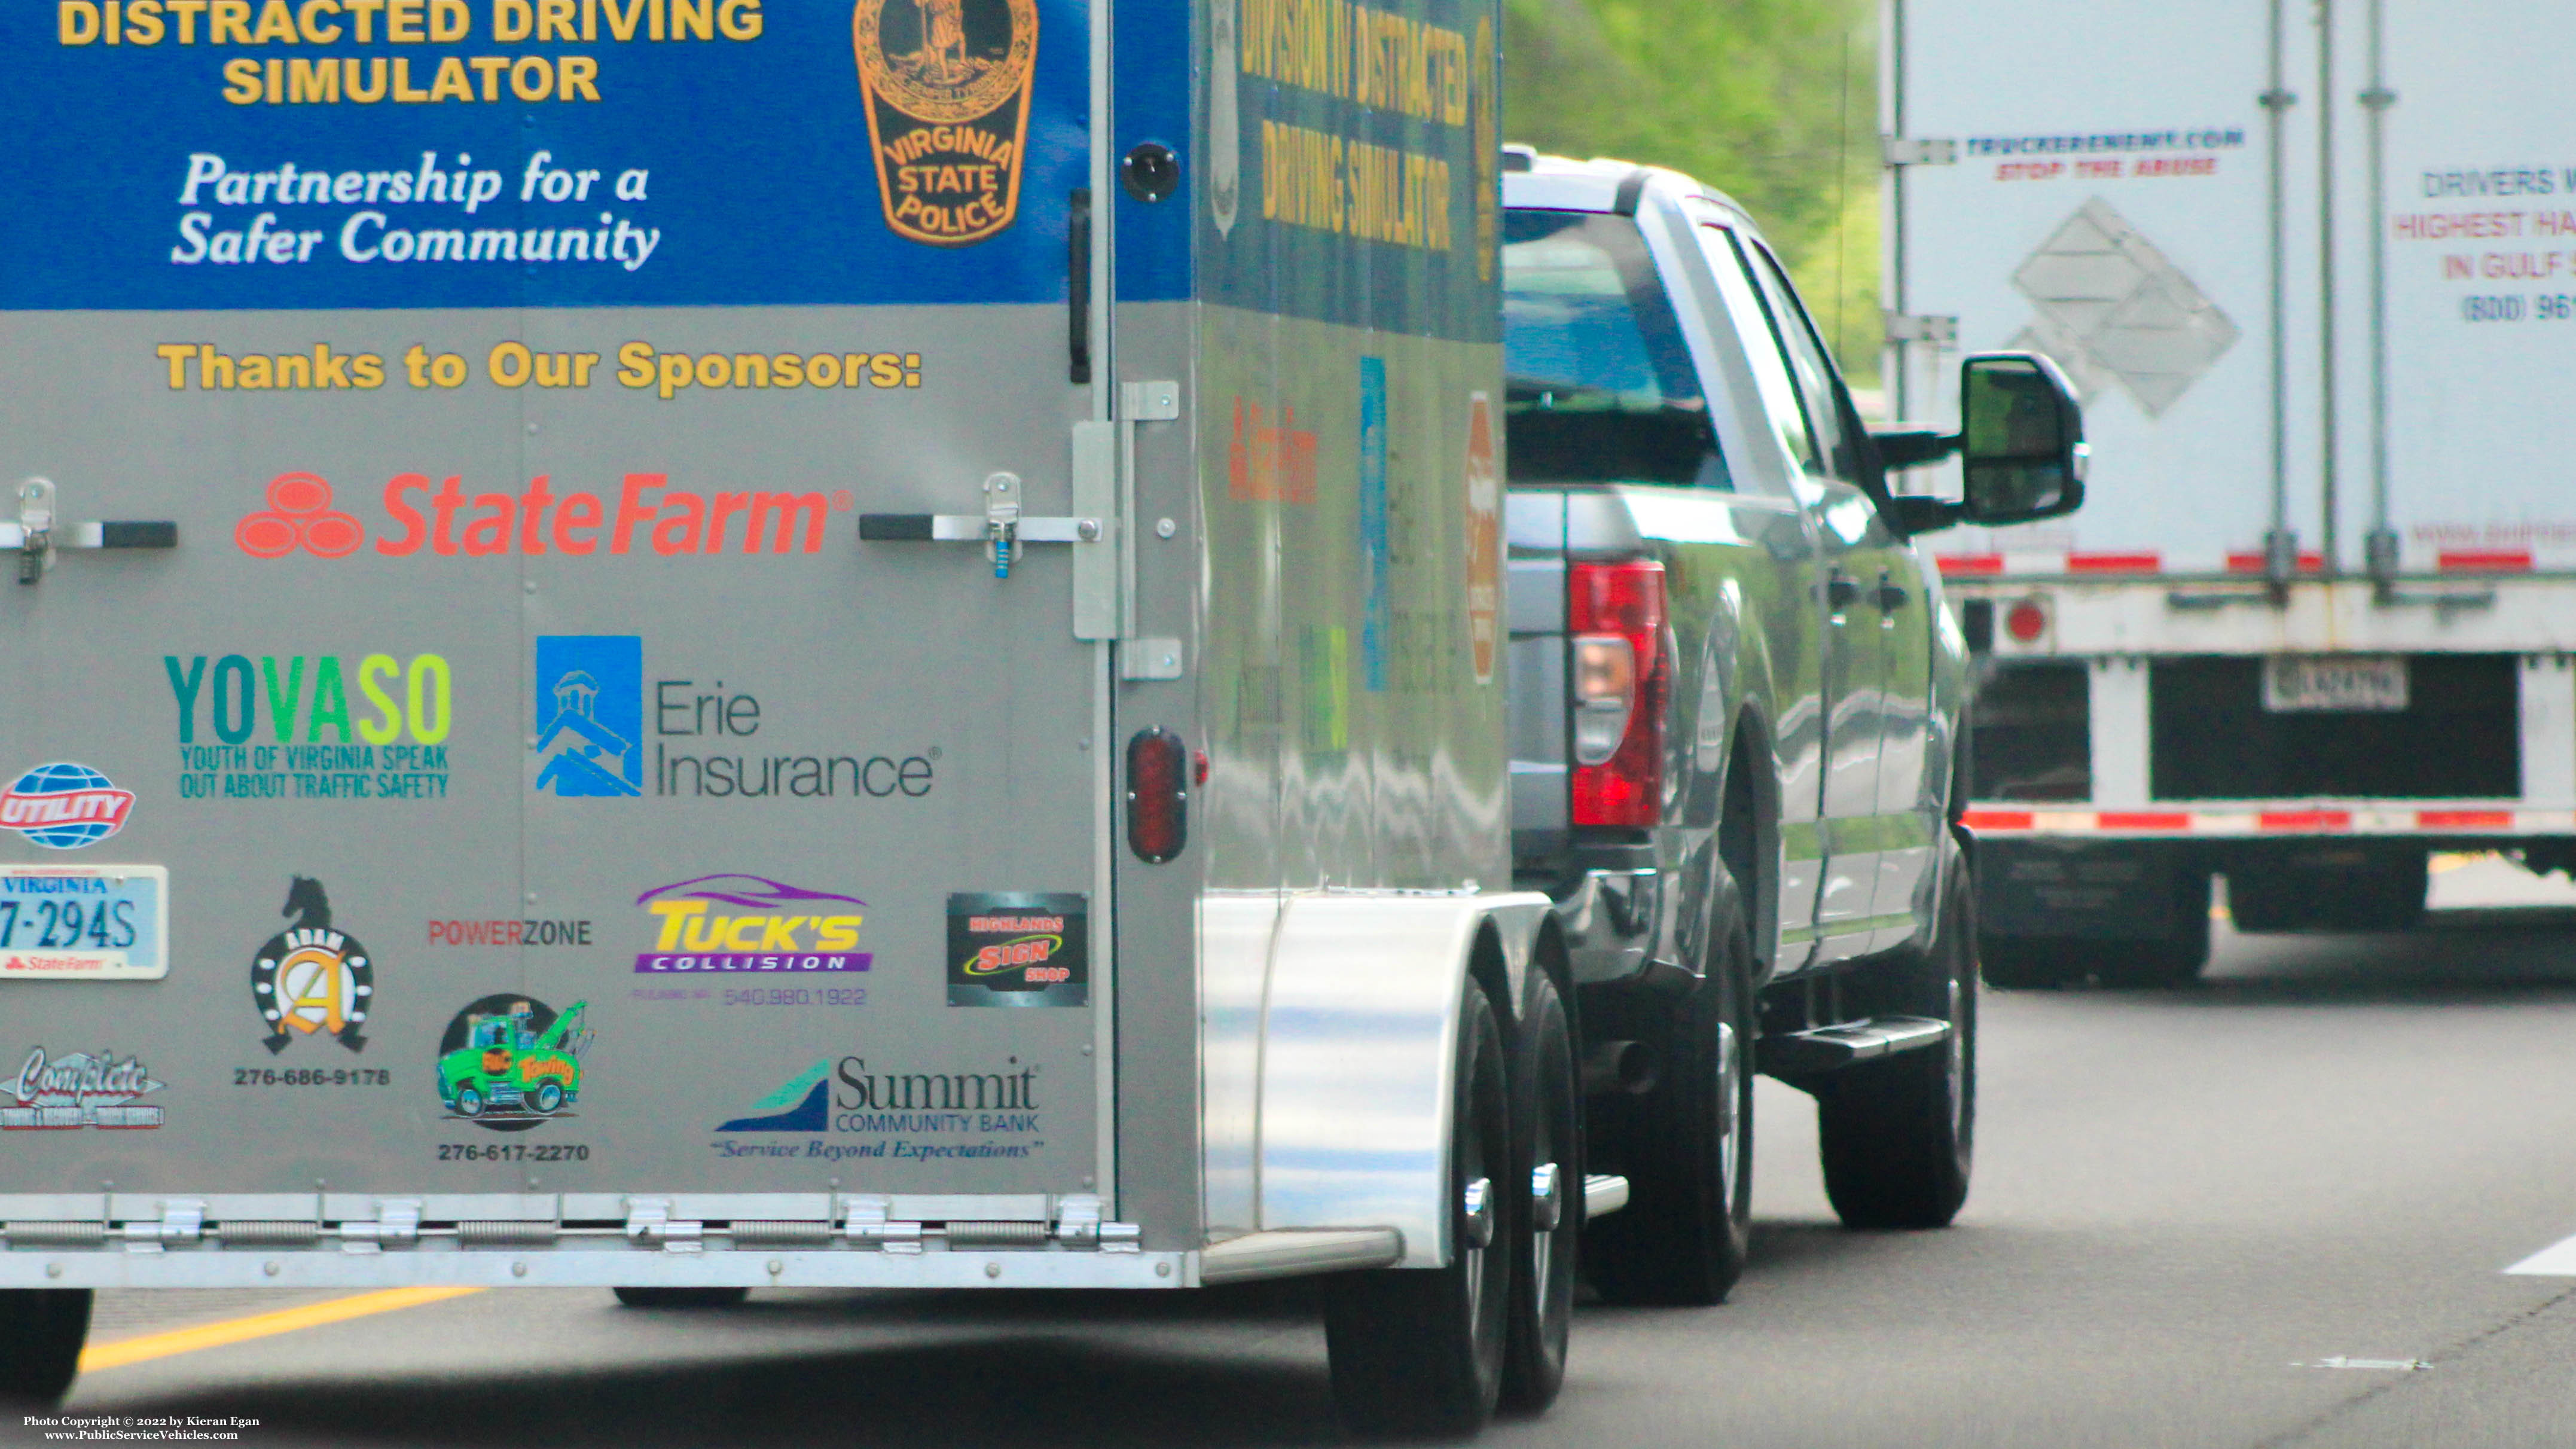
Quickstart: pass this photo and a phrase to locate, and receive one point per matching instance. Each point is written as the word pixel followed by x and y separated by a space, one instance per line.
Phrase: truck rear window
pixel 1600 384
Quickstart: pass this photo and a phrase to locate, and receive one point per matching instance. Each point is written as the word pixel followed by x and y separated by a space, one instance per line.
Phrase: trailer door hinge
pixel 649 1224
pixel 868 1226
pixel 1922 327
pixel 181 1221
pixel 1917 151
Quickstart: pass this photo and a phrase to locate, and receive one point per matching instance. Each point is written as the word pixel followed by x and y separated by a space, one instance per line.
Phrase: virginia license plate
pixel 84 923
pixel 2334 683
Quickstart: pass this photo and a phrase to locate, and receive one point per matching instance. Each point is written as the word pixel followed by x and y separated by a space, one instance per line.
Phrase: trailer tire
pixel 1547 1132
pixel 1896 1137
pixel 41 1334
pixel 1686 1146
pixel 682 1297
pixel 1419 1351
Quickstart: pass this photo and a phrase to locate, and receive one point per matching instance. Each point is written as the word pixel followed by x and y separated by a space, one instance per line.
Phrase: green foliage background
pixel 1774 102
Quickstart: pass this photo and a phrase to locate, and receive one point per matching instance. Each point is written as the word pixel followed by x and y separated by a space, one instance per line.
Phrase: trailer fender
pixel 1359 1041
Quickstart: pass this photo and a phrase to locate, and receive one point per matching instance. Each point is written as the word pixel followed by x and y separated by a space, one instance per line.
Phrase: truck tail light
pixel 1622 678
pixel 1158 795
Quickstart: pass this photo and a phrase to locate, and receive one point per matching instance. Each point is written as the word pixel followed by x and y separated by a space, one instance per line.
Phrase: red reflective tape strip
pixel 2254 563
pixel 2114 563
pixel 1996 819
pixel 2464 820
pixel 2488 560
pixel 2143 820
pixel 1965 565
pixel 2304 820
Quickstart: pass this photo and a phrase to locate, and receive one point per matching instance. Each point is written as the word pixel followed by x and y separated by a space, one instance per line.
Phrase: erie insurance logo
pixel 947 86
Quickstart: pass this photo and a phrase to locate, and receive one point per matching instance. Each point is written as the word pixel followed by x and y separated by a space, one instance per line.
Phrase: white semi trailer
pixel 2314 268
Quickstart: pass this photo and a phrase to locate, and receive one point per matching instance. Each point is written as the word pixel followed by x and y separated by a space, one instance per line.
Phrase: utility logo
pixel 782 928
pixel 508 1062
pixel 311 979
pixel 64 806
pixel 947 90
pixel 79 1090
pixel 1018 949
pixel 590 714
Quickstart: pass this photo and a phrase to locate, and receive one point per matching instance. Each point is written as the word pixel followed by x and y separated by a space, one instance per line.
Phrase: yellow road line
pixel 259 1325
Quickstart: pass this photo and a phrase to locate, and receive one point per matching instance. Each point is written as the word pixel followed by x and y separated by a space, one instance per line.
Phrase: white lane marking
pixel 2558 1260
pixel 2381 1365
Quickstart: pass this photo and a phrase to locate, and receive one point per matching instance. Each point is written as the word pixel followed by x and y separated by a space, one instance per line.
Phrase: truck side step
pixel 1832 1048
pixel 1603 1194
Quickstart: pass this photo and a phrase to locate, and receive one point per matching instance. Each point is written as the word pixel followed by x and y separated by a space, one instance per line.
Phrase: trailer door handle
pixel 34 537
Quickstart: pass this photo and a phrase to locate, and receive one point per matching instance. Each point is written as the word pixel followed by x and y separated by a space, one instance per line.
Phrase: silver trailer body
pixel 692 550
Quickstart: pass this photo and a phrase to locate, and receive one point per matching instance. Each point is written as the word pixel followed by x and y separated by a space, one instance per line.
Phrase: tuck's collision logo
pixel 772 927
pixel 444 519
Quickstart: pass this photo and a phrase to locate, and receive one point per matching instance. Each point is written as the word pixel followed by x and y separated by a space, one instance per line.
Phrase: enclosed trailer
pixel 693 645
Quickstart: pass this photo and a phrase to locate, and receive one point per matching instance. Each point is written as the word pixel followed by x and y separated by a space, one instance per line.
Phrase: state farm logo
pixel 443 519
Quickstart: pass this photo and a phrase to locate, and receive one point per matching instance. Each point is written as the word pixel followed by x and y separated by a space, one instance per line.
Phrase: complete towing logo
pixel 443 520
pixel 81 1089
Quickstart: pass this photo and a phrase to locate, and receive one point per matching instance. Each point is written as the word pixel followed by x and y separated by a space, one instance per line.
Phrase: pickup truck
pixel 1737 758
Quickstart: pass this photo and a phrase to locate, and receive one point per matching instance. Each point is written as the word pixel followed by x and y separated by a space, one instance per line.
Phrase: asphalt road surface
pixel 2271 1211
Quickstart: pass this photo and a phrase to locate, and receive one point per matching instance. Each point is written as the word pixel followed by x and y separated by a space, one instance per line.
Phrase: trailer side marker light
pixel 2464 820
pixel 1158 795
pixel 1996 819
pixel 2026 621
pixel 2114 563
pixel 1970 565
pixel 2485 560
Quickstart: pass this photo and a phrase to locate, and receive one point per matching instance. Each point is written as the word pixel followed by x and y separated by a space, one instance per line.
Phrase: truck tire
pixel 682 1297
pixel 1686 1146
pixel 41 1334
pixel 1547 1130
pixel 1418 1351
pixel 1896 1136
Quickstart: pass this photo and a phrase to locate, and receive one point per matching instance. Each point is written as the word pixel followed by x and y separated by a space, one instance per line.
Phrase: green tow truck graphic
pixel 519 1060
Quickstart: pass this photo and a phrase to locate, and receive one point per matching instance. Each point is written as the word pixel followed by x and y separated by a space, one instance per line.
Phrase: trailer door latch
pixel 1001 528
pixel 35 537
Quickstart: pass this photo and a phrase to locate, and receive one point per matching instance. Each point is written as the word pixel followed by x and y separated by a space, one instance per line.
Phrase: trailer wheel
pixel 682 1297
pixel 1547 1125
pixel 1686 1147
pixel 41 1333
pixel 1896 1136
pixel 1420 1351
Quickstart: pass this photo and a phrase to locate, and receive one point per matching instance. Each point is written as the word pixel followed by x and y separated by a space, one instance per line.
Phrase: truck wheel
pixel 41 1333
pixel 1687 1145
pixel 469 1102
pixel 1896 1136
pixel 682 1297
pixel 1420 1351
pixel 548 1098
pixel 1547 1125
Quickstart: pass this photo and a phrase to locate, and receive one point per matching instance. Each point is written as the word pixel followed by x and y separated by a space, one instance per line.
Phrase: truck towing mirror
pixel 2021 439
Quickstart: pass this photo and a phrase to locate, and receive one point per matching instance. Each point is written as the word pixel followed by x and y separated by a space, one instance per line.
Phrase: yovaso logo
pixel 372 730
pixel 782 927
pixel 444 520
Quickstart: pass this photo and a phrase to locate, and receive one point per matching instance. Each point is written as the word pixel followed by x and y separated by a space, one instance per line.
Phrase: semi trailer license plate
pixel 84 923
pixel 2334 684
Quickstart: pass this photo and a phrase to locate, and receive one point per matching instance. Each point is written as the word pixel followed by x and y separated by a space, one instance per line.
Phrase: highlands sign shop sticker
pixel 1019 948
pixel 84 923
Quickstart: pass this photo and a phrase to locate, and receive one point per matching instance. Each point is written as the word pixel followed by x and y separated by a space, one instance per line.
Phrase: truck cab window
pixel 1818 389
pixel 1600 386
pixel 1745 314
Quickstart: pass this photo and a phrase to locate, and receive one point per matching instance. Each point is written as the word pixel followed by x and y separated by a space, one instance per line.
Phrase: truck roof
pixel 1534 178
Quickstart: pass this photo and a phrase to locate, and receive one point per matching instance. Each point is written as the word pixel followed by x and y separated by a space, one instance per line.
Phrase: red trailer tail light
pixel 1158 795
pixel 1622 679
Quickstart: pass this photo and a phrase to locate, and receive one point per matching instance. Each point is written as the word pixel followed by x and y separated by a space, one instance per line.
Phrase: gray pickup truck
pixel 1737 758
